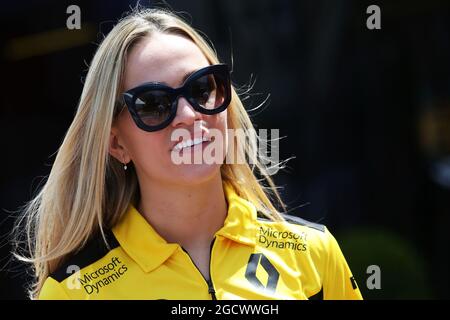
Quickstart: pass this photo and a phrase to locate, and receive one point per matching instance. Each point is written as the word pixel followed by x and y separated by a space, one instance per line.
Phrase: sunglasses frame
pixel 131 95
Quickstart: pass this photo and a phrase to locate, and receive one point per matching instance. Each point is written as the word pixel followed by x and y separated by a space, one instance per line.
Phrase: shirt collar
pixel 145 246
pixel 240 223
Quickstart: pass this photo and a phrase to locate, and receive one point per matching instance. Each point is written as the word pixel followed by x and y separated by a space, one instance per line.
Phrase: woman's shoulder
pixel 294 233
pixel 60 282
pixel 93 251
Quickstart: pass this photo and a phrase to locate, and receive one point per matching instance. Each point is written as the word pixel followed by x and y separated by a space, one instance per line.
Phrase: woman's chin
pixel 195 173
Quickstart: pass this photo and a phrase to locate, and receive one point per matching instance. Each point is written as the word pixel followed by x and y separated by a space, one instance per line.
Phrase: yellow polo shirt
pixel 251 258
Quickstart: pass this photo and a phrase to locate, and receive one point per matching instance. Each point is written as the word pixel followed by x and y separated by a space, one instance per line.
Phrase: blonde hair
pixel 87 189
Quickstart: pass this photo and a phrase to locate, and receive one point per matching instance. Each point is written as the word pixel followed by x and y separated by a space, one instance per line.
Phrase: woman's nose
pixel 186 114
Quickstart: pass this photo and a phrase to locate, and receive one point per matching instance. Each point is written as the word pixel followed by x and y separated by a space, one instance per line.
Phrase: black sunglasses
pixel 153 105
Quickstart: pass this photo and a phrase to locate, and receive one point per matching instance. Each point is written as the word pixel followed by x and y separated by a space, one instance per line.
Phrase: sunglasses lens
pixel 208 91
pixel 153 107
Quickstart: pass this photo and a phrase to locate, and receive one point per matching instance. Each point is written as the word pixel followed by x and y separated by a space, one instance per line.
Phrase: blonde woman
pixel 118 218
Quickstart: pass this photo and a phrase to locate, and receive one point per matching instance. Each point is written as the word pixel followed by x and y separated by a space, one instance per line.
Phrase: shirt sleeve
pixel 52 290
pixel 339 283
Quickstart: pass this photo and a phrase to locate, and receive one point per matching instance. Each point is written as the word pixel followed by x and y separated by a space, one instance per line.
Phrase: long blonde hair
pixel 87 189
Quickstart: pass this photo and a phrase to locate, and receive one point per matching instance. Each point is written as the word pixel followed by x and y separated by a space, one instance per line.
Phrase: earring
pixel 124 165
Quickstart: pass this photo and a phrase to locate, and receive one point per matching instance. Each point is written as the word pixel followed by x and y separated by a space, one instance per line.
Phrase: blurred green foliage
pixel 404 273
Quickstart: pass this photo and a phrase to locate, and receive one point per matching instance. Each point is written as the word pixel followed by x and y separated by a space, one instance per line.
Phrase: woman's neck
pixel 187 215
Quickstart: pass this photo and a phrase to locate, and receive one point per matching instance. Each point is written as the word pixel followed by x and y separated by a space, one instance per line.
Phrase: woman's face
pixel 168 59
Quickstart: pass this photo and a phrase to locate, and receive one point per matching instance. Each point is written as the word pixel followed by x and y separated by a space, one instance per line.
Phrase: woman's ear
pixel 116 146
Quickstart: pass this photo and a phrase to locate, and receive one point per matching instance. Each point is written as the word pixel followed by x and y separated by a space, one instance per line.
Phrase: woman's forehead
pixel 162 58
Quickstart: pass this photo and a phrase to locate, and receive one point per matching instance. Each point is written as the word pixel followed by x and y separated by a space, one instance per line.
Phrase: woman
pixel 121 218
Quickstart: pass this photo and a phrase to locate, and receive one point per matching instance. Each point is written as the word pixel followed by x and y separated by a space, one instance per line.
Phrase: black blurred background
pixel 365 112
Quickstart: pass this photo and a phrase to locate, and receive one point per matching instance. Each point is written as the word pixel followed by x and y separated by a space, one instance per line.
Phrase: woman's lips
pixel 195 147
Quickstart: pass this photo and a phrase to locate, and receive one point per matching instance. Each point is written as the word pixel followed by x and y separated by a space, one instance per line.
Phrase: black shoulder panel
pixel 94 250
pixel 317 296
pixel 303 222
pixel 296 220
